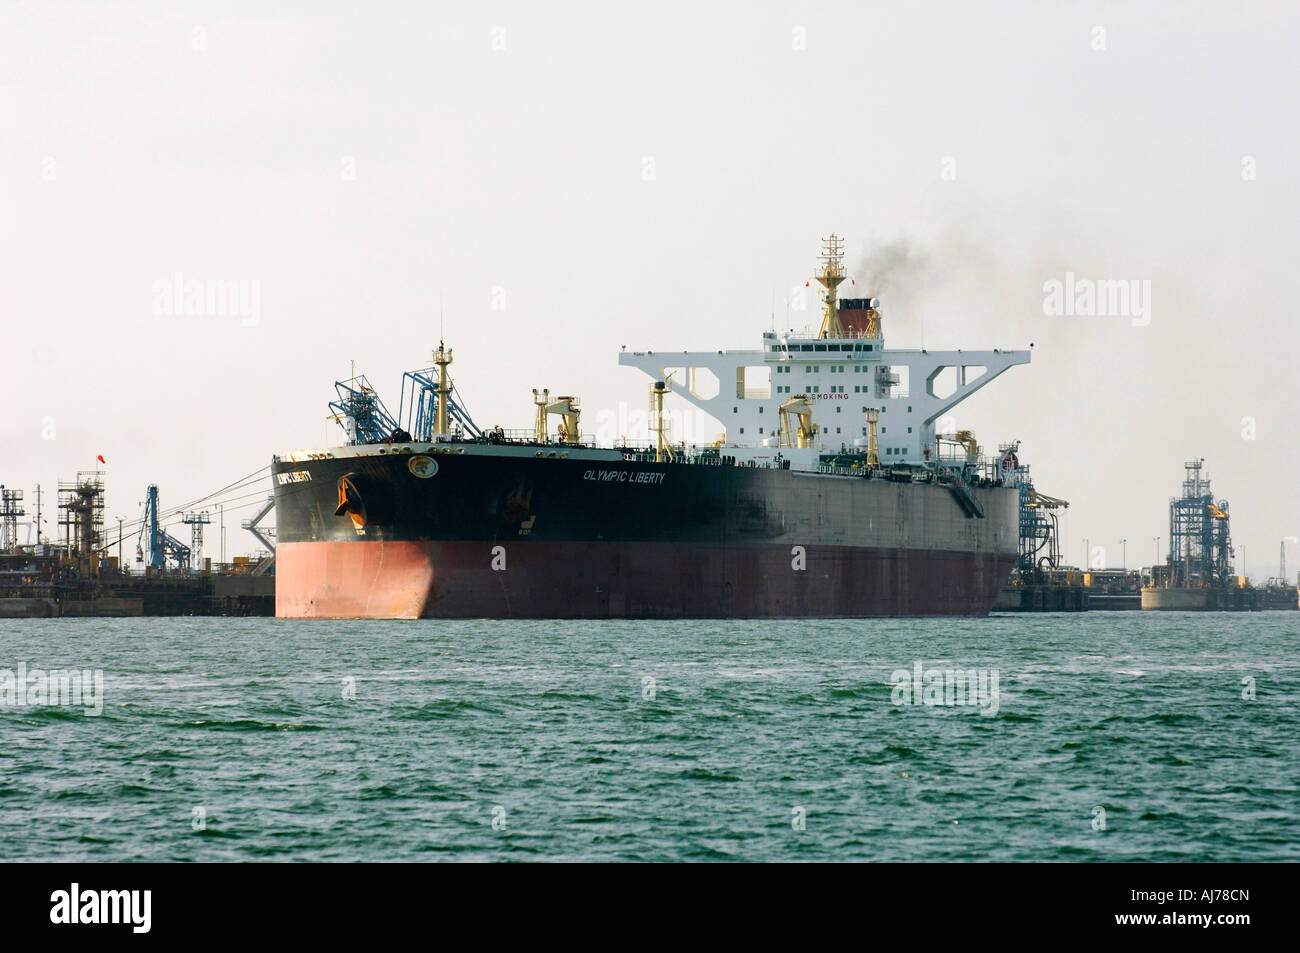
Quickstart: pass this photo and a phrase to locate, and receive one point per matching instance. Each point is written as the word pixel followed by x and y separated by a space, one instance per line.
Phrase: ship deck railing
pixel 983 474
pixel 528 438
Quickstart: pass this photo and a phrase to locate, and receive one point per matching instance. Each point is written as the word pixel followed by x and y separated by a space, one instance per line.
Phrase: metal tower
pixel 10 510
pixel 196 522
pixel 82 518
pixel 1200 544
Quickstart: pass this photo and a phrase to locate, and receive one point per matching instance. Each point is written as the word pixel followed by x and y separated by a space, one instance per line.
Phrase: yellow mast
pixel 542 400
pixel 873 445
pixel 830 276
pixel 657 391
pixel 442 357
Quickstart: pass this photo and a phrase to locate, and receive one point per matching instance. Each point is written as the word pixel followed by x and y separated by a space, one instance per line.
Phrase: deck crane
pixel 360 412
pixel 156 545
pixel 423 408
pixel 804 430
pixel 567 407
pixel 427 410
pixel 965 439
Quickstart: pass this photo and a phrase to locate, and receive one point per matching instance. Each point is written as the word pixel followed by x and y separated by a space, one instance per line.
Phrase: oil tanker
pixel 830 492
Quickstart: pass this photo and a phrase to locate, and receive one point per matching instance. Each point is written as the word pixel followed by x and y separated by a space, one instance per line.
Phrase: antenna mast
pixel 829 277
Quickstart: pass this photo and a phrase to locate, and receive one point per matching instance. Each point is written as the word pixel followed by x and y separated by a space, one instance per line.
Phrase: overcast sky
pixel 562 180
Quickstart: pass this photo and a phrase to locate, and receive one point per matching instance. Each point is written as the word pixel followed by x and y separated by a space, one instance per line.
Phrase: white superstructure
pixel 843 371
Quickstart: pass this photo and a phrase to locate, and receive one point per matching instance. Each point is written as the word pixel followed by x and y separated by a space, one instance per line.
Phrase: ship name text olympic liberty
pixel 624 476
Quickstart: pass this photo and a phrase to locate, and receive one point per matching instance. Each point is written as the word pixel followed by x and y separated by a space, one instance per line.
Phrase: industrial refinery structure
pixel 82 571
pixel 1198 573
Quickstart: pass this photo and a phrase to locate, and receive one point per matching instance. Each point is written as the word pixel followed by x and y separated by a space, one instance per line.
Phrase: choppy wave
pixel 256 739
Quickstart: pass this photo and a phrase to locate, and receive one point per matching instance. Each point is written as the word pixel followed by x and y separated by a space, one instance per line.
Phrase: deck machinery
pixel 421 415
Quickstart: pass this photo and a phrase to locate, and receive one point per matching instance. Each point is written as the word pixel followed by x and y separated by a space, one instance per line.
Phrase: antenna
pixel 829 277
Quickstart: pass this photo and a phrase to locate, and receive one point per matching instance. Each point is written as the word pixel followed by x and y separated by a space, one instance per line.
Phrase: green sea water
pixel 1116 736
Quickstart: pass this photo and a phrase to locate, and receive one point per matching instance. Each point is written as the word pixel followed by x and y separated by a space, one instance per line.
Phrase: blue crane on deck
pixel 360 411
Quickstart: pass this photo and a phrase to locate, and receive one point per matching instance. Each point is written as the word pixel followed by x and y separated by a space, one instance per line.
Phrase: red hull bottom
pixel 539 580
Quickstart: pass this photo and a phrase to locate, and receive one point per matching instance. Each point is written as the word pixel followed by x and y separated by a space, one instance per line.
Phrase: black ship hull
pixel 472 531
